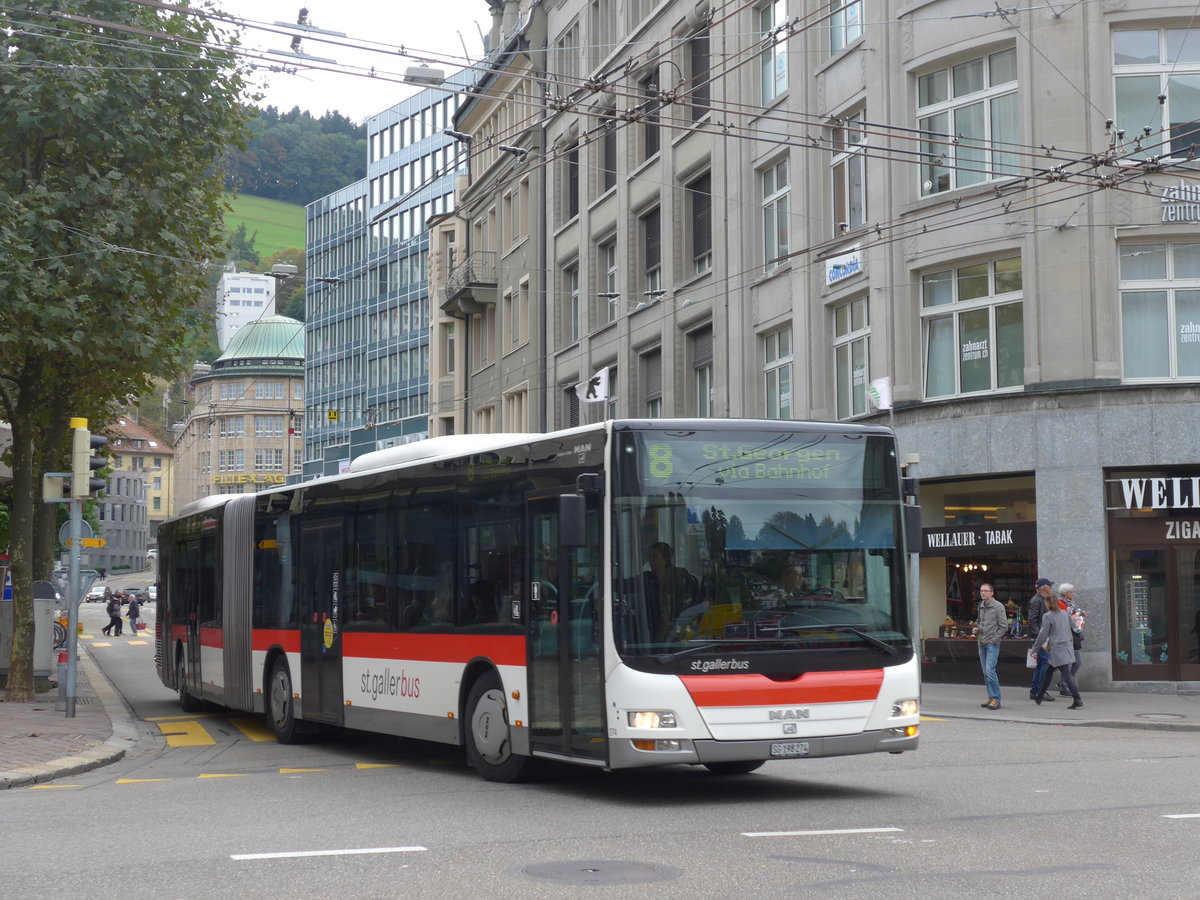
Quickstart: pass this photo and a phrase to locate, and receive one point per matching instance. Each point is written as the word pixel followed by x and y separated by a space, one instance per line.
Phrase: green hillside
pixel 279 226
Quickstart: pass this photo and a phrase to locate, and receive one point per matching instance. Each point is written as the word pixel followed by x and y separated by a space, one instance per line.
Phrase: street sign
pixel 85 531
pixel 94 542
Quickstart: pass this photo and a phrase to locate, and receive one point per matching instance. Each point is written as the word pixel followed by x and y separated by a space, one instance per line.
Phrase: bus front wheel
pixel 281 705
pixel 489 739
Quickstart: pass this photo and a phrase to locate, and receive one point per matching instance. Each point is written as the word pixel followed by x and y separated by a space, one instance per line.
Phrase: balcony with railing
pixel 471 284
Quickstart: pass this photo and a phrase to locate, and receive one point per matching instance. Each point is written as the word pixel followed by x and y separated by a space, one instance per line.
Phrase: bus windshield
pixel 756 544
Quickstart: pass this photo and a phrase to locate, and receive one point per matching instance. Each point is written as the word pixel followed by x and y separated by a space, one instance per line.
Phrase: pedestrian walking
pixel 1066 596
pixel 132 615
pixel 1039 603
pixel 993 625
pixel 1055 637
pixel 113 608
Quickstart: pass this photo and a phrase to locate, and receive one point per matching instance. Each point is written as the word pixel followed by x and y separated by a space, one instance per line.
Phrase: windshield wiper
pixel 887 648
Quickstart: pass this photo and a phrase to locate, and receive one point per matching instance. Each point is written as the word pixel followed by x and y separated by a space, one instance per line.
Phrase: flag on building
pixel 595 389
pixel 880 392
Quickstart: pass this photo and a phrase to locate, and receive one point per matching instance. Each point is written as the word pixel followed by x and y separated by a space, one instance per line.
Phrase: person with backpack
pixel 132 614
pixel 114 617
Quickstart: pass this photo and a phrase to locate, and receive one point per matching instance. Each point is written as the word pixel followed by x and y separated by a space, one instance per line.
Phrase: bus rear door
pixel 321 622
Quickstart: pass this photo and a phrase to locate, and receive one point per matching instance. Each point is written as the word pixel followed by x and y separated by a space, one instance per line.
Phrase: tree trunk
pixel 19 688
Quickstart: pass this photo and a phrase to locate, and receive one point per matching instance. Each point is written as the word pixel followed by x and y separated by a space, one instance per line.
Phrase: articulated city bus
pixel 632 593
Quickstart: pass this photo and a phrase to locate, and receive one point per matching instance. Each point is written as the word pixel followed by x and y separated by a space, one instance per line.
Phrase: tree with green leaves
pixel 111 196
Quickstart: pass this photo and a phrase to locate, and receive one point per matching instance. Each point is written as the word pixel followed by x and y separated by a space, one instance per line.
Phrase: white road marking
pixel 1184 816
pixel 808 833
pixel 352 852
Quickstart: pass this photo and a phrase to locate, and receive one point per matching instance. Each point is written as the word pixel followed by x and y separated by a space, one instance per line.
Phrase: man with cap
pixel 1042 597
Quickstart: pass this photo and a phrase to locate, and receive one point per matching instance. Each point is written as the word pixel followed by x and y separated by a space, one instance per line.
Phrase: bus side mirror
pixel 572 520
pixel 912 527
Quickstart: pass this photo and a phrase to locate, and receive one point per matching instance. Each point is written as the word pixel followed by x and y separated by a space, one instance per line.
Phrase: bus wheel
pixel 186 701
pixel 489 741
pixel 739 767
pixel 281 705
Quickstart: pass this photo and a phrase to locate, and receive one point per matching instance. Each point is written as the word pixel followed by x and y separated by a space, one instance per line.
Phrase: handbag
pixel 141 626
pixel 1031 658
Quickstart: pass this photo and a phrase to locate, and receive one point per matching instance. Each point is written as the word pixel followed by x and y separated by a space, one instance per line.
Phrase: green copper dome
pixel 271 341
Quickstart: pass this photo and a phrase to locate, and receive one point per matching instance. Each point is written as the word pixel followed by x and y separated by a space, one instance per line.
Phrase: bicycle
pixel 60 629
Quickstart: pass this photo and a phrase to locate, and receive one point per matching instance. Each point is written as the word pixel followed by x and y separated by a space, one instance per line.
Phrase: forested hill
pixel 297 159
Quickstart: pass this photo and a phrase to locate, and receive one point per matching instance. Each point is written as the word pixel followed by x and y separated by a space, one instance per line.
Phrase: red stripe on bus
pixel 266 638
pixel 502 649
pixel 212 637
pixel 758 690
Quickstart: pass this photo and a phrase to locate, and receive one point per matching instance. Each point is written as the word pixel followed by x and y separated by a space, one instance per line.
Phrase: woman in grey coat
pixel 1055 636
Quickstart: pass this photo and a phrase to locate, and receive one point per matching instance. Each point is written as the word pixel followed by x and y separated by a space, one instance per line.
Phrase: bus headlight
pixel 651 718
pixel 904 708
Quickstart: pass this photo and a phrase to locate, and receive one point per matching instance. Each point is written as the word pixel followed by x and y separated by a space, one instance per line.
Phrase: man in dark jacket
pixel 1042 597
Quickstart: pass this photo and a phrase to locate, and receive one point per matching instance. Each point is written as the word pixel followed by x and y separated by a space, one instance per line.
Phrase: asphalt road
pixel 207 808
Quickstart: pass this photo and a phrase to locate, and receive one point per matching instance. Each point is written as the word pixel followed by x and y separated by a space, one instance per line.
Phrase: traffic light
pixel 84 462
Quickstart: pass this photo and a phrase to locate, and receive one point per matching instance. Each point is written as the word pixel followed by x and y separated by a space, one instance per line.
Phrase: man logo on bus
pixel 779 715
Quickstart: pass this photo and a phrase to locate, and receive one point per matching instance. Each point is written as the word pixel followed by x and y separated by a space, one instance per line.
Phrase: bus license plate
pixel 790 748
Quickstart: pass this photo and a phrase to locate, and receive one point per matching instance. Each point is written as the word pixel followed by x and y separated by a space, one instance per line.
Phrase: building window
pixel 650 116
pixel 608 154
pixel 1157 76
pixel 845 24
pixel 485 420
pixel 1160 311
pixel 652 398
pixel 571 181
pixel 968 118
pixel 777 374
pixel 268 390
pixel 973 328
pixel 851 331
pixel 775 214
pixel 772 22
pixel 610 405
pixel 570 317
pixel 156 504
pixel 701 345
pixel 607 296
pixel 849 174
pixel 651 229
pixel 699 195
pixel 516 415
pixel 448 358
pixel 698 70
pixel 231 426
pixel 268 460
pixel 570 407
pixel 268 426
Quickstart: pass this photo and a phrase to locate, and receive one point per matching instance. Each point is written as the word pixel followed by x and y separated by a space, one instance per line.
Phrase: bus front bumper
pixel 623 755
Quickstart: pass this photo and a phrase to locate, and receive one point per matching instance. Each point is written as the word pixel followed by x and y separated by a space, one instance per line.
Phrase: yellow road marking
pixel 186 734
pixel 189 718
pixel 375 766
pixel 255 729
pixel 139 780
pixel 239 775
pixel 132 643
pixel 295 771
pixel 101 644
pixel 931 719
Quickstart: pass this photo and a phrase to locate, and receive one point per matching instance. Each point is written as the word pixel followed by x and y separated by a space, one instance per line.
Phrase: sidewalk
pixel 39 743
pixel 1101 709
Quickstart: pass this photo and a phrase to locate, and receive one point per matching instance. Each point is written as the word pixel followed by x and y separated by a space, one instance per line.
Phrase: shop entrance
pixel 1157 621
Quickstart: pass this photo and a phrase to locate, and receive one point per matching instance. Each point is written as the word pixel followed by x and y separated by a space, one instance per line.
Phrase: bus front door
pixel 566 681
pixel 321 625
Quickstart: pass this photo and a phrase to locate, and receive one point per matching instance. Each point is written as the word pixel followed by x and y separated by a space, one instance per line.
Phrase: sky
pixel 438 27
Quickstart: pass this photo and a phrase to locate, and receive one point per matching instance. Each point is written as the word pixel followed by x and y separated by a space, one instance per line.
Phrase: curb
pixel 123 737
pixel 1072 723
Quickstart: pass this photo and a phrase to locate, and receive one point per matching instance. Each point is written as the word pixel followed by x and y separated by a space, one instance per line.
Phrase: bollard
pixel 60 704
